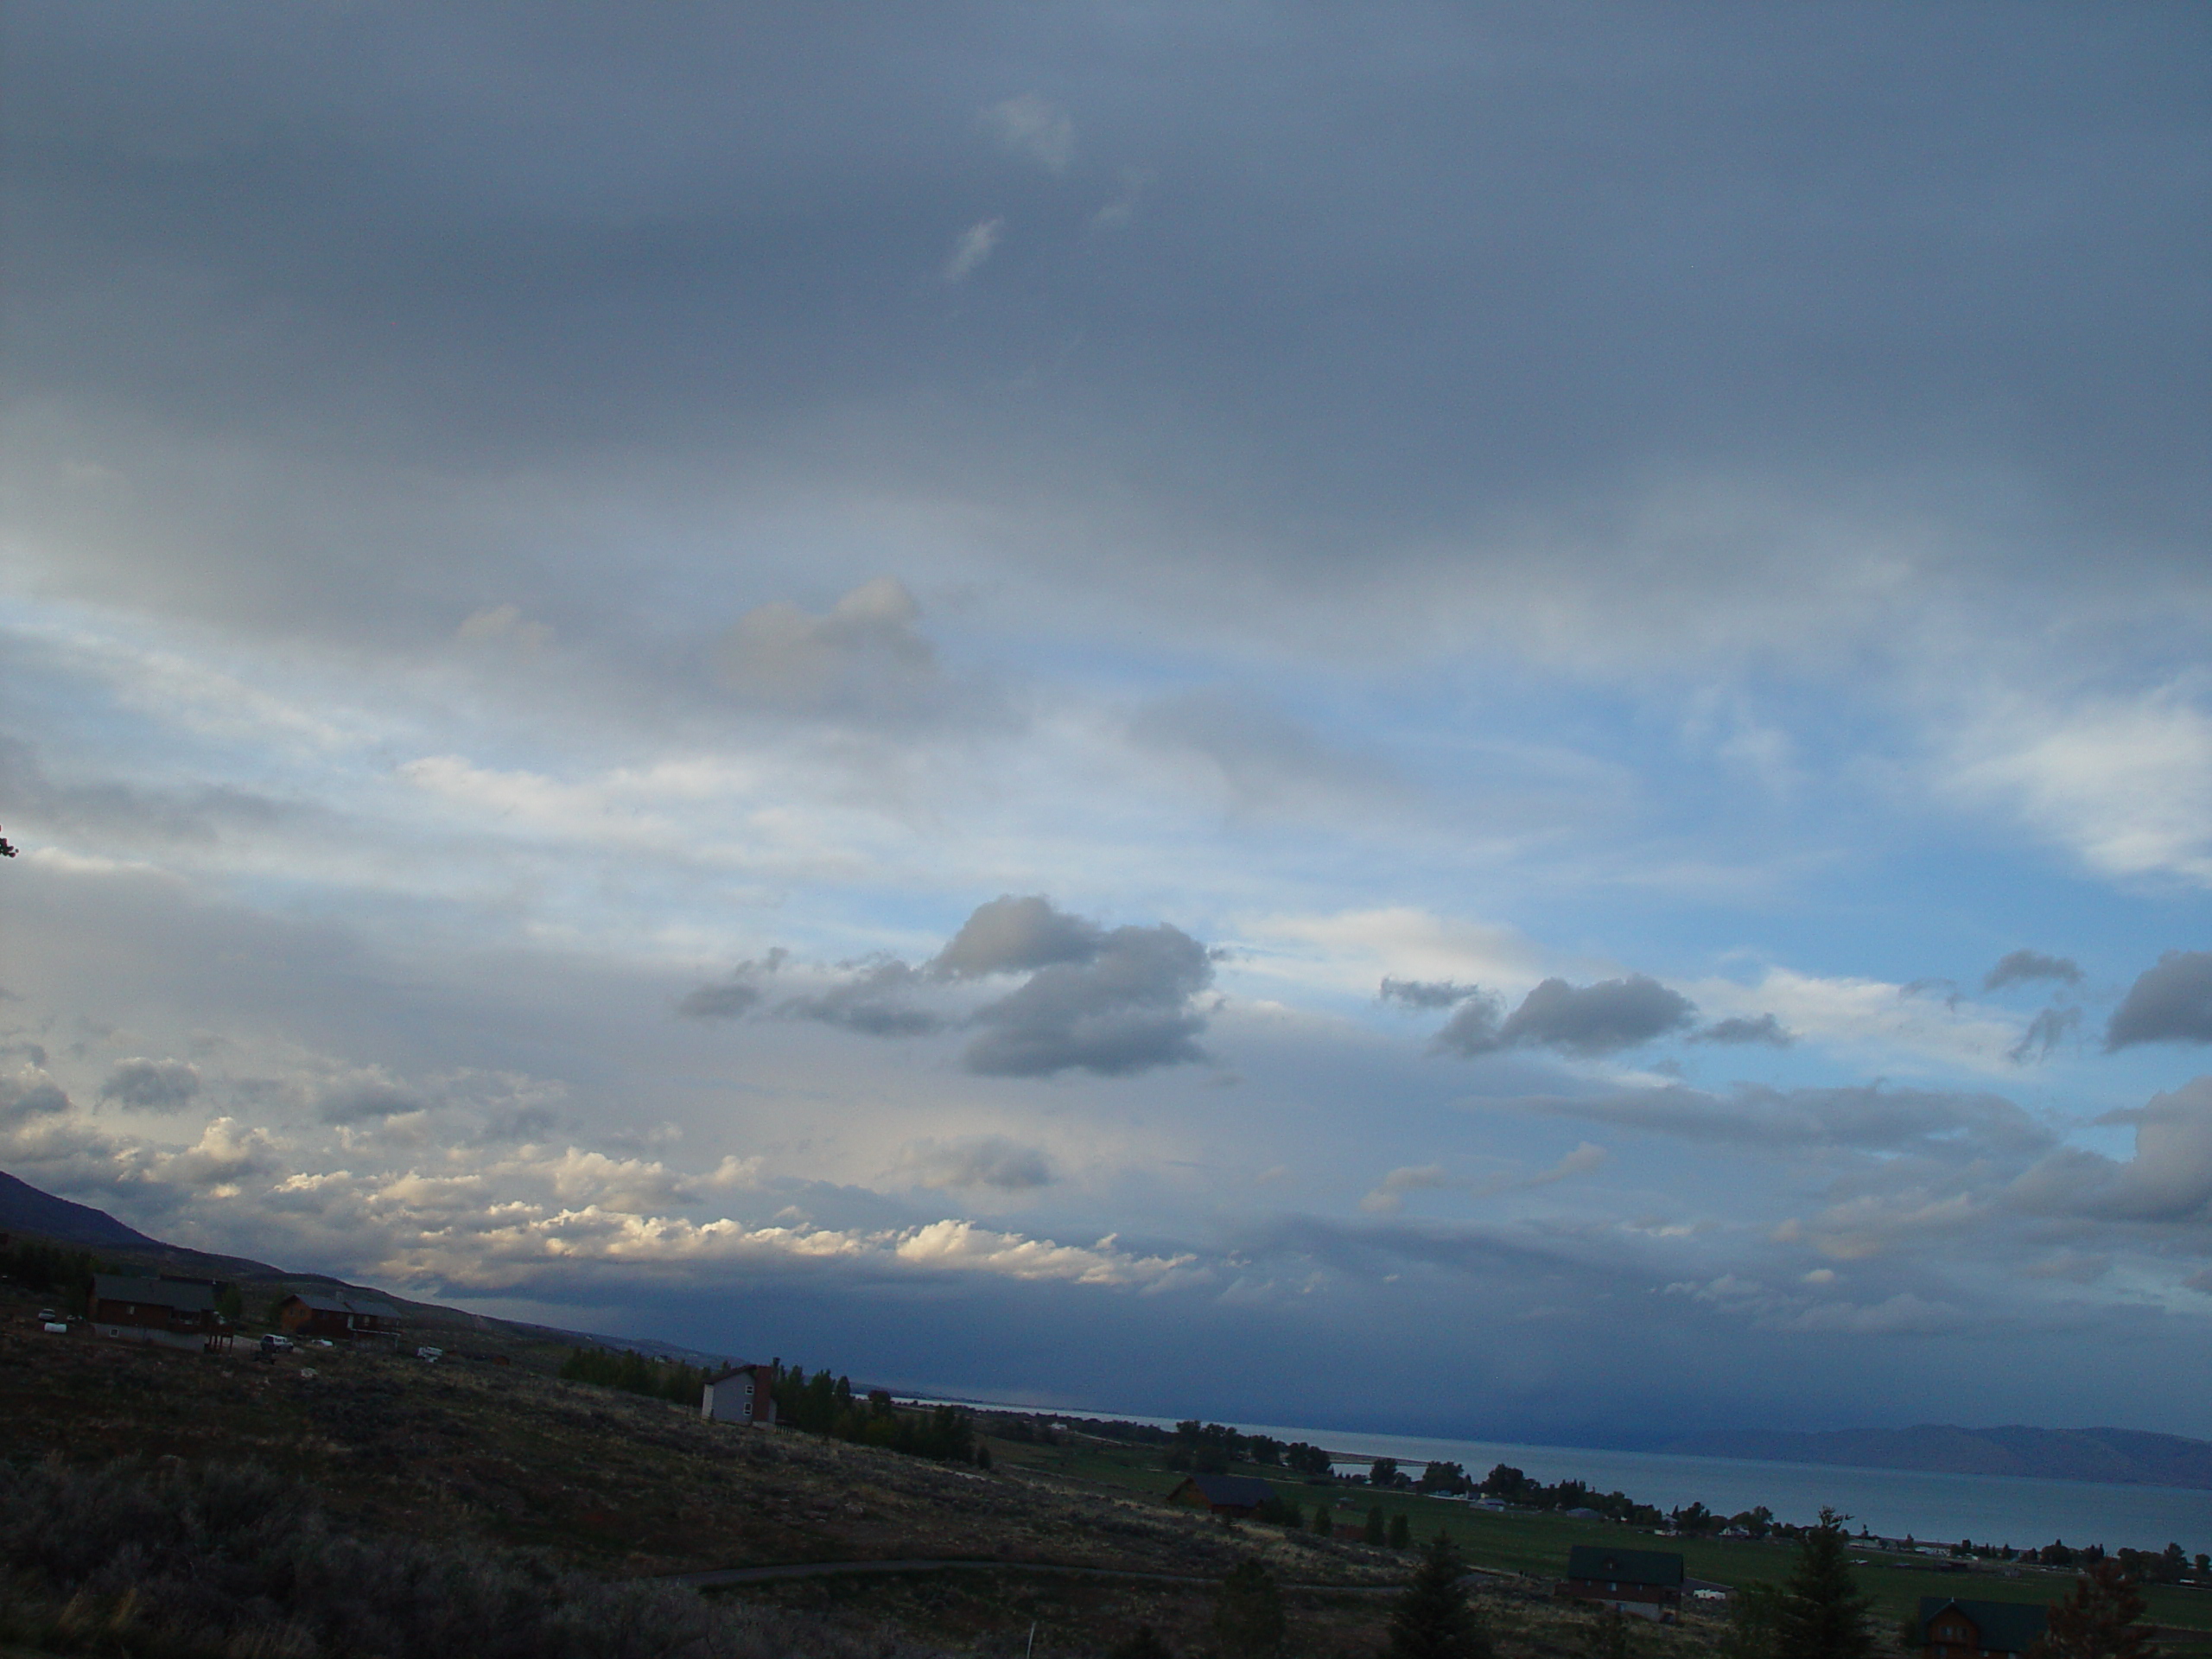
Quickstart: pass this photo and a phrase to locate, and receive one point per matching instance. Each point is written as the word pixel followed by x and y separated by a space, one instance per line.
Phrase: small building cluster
pixel 741 1393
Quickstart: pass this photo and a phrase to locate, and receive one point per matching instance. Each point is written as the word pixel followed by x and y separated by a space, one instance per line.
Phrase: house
pixel 1232 1494
pixel 175 1312
pixel 1646 1582
pixel 1951 1628
pixel 341 1317
pixel 741 1393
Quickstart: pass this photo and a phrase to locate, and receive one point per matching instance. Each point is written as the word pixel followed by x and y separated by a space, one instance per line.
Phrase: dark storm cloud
pixel 2167 1183
pixel 1612 246
pixel 872 999
pixel 992 1161
pixel 2170 1003
pixel 1739 1029
pixel 736 996
pixel 1870 1118
pixel 126 811
pixel 1127 1008
pixel 1589 1020
pixel 1016 936
pixel 30 1093
pixel 372 1100
pixel 2022 966
pixel 2044 1033
pixel 151 1086
pixel 1425 994
pixel 864 657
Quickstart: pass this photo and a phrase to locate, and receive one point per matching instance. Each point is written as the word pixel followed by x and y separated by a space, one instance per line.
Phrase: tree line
pixel 49 1269
pixel 1210 1449
pixel 826 1405
pixel 629 1370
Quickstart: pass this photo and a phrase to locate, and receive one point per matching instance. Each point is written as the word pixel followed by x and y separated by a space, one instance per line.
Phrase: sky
pixel 1486 720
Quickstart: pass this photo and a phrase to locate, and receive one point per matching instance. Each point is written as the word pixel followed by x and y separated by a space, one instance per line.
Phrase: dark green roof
pixel 2008 1626
pixel 1230 1492
pixel 1654 1566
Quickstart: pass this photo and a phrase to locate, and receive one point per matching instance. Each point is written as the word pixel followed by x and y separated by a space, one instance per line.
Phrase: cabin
pixel 1645 1583
pixel 173 1312
pixel 741 1393
pixel 341 1318
pixel 1951 1628
pixel 1237 1496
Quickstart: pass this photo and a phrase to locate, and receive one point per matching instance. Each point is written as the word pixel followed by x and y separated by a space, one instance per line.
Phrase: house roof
pixel 1231 1491
pixel 154 1293
pixel 366 1306
pixel 2012 1626
pixel 1660 1567
pixel 741 1369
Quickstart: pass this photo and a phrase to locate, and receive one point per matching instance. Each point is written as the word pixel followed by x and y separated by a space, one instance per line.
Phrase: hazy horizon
pixel 1504 708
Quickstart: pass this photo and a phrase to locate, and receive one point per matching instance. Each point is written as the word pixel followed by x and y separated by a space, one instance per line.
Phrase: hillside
pixel 24 1209
pixel 2124 1456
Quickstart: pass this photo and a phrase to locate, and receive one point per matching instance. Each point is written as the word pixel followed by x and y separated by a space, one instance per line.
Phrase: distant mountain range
pixel 2125 1456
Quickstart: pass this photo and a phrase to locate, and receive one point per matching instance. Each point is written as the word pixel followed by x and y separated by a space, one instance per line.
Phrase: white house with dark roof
pixel 741 1393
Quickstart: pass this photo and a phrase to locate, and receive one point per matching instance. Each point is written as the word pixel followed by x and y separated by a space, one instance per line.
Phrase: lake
pixel 1988 1508
pixel 1894 1503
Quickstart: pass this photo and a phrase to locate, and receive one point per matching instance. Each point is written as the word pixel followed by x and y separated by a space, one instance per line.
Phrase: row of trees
pixel 629 1370
pixel 50 1270
pixel 1210 1449
pixel 823 1404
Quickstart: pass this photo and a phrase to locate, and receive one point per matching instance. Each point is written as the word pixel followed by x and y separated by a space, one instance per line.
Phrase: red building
pixel 1951 1628
pixel 1646 1582
pixel 174 1313
pixel 1233 1495
pixel 341 1318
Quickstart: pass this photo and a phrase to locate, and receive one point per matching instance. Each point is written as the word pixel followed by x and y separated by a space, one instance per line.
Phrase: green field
pixel 1537 1544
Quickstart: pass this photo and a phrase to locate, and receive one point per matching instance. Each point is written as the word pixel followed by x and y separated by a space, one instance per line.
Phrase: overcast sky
pixel 1154 708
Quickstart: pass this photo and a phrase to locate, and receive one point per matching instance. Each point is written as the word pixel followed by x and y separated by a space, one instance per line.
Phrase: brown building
pixel 174 1313
pixel 1951 1628
pixel 1646 1582
pixel 1233 1495
pixel 339 1318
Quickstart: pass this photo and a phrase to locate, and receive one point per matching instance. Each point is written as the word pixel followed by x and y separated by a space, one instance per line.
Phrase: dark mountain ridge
pixel 2125 1457
pixel 24 1209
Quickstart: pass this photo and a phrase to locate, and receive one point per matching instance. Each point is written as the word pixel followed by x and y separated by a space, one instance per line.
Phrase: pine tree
pixel 1432 1619
pixel 1754 1614
pixel 2098 1620
pixel 1402 1531
pixel 1322 1525
pixel 1248 1621
pixel 1377 1528
pixel 1823 1614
